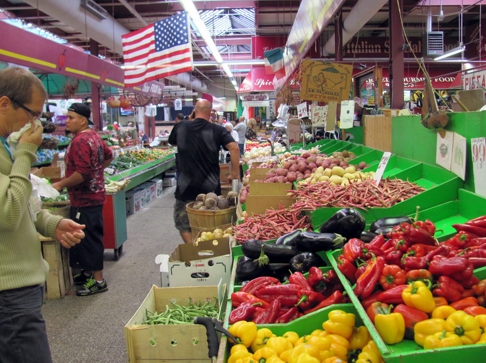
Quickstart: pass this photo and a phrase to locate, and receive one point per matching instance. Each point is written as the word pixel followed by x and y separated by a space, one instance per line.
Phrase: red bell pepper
pixel 411 316
pixel 391 276
pixel 420 275
pixel 368 252
pixel 447 266
pixel 476 230
pixel 414 263
pixel 477 219
pixel 460 240
pixel 253 285
pixel 239 297
pixel 440 301
pixel 316 279
pixel 270 315
pixel 360 270
pixel 419 235
pixel 336 298
pixel 287 293
pixel 442 250
pixel 374 297
pixel 427 225
pixel 477 262
pixel 388 245
pixel 393 296
pixel 366 283
pixel 448 288
pixel 477 241
pixel 467 293
pixel 299 279
pixel 378 308
pixel 347 268
pixel 377 242
pixel 475 310
pixel 243 312
pixel 420 250
pixel 465 274
pixel 394 257
pixel 330 277
pixel 309 299
pixel 469 283
pixel 401 244
pixel 290 315
pixel 465 303
pixel 353 249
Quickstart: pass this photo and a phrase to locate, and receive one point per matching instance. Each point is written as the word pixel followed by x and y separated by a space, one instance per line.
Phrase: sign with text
pixel 458 160
pixel 347 115
pixel 381 167
pixel 302 110
pixel 478 152
pixel 325 81
pixel 319 115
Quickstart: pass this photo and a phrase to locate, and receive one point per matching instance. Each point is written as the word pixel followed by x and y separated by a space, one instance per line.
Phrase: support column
pixel 396 55
pixel 95 91
pixel 338 31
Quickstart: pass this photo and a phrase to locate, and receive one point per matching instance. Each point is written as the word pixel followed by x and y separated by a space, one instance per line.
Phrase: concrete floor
pixel 91 329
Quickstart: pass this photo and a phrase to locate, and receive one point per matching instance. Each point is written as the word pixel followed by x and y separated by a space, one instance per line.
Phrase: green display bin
pixel 372 159
pixel 360 150
pixel 408 351
pixel 337 145
pixel 441 186
pixel 468 205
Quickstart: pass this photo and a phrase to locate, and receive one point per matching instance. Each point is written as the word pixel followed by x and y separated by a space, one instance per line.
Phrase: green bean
pixel 180 314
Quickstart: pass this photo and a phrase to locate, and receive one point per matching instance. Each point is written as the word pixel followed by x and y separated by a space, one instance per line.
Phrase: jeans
pixel 23 336
pixel 242 149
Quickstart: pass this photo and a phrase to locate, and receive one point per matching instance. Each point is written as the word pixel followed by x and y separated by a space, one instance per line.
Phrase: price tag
pixel 381 167
pixel 478 152
pixel 110 170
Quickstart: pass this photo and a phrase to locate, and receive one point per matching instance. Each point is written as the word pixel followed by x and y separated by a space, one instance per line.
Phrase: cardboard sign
pixel 302 110
pixel 478 151
pixel 319 115
pixel 324 81
pixel 331 116
pixel 458 160
pixel 347 115
pixel 443 154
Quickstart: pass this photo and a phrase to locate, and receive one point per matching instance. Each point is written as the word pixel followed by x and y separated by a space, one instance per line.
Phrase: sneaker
pixel 81 278
pixel 92 287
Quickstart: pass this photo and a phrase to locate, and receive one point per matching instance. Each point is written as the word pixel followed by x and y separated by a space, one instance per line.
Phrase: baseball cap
pixel 81 109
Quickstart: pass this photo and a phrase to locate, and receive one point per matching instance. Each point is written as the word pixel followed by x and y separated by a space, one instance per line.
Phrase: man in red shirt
pixel 86 158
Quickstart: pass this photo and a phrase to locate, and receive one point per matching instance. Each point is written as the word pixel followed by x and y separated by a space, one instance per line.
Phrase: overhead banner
pixel 257 81
pixel 325 81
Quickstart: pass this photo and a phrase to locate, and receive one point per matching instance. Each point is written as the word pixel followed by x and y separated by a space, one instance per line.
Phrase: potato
pixel 336 179
pixel 197 205
pixel 201 198
pixel 210 202
pixel 323 178
pixel 349 176
pixel 350 169
pixel 337 170
pixel 211 195
pixel 327 172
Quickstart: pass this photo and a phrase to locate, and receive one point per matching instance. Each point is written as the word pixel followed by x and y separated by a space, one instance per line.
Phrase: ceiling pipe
pixel 359 15
pixel 107 32
pixel 134 12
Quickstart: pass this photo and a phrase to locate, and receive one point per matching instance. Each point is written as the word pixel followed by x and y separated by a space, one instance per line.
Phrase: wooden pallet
pixel 59 278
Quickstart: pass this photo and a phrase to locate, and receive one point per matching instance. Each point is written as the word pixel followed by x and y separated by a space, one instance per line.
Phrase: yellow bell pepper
pixel 391 327
pixel 316 332
pixel 247 360
pixel 264 353
pixel 442 312
pixel 443 339
pixel 482 340
pixel 338 339
pixel 238 347
pixel 369 354
pixel 301 349
pixel 427 327
pixel 463 325
pixel 323 344
pixel 244 331
pixel 481 318
pixel 340 322
pixel 333 360
pixel 417 295
pixel 274 359
pixel 291 336
pixel 360 338
pixel 303 339
pixel 307 358
pixel 261 338
pixel 239 354
pixel 285 355
pixel 279 344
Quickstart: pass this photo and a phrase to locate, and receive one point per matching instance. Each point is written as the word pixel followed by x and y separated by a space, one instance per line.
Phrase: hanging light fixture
pixel 451 52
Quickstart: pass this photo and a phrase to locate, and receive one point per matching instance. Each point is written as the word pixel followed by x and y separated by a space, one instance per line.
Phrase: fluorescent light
pixel 451 52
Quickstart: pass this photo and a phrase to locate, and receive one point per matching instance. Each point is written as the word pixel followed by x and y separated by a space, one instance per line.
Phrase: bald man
pixel 198 143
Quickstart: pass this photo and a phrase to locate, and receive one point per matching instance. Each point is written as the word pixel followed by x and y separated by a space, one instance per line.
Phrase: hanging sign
pixel 478 151
pixel 302 110
pixel 178 104
pixel 347 115
pixel 319 115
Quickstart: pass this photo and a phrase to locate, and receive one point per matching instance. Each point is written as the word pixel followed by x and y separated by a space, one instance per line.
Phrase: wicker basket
pixel 205 219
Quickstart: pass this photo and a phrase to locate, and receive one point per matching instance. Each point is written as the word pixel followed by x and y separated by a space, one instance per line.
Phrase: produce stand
pixel 114 210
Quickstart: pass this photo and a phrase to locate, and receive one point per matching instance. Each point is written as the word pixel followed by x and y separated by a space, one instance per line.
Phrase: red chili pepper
pixel 299 279
pixel 270 315
pixel 360 270
pixel 465 274
pixel 477 261
pixel 467 293
pixel 478 231
pixel 393 296
pixel 243 312
pixel 419 235
pixel 378 308
pixel 388 245
pixel 442 250
pixel 460 240
pixel 480 218
pixel 331 278
pixel 392 276
pixel 419 275
pixel 309 299
pixel 414 263
pixel 290 315
pixel 316 279
pixel 368 252
pixel 353 249
pixel 464 303
pixel 347 268
pixel 237 298
pixel 374 297
pixel 401 244
pixel 469 283
pixel 420 250
pixel 448 288
pixel 411 316
pixel 366 283
pixel 478 241
pixel 477 223
pixel 426 225
pixel 394 258
pixel 447 266
pixel 287 293
pixel 377 242
pixel 253 285
pixel 336 298
pixel 474 252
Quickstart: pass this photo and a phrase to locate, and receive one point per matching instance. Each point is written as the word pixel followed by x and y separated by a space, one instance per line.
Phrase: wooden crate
pixel 378 132
pixel 59 278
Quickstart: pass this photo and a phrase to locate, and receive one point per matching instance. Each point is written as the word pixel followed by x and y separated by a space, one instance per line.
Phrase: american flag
pixel 159 50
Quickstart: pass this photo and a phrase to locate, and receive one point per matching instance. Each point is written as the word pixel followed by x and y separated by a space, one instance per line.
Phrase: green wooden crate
pixel 441 186
pixel 408 351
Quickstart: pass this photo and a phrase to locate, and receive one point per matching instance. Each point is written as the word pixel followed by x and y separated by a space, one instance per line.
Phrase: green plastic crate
pixel 336 145
pixel 441 186
pixel 371 158
pixel 360 150
pixel 408 351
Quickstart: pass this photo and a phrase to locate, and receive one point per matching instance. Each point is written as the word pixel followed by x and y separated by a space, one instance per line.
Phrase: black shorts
pixel 88 255
pixel 181 219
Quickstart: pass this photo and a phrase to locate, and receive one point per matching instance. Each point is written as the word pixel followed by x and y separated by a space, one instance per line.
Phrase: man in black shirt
pixel 198 143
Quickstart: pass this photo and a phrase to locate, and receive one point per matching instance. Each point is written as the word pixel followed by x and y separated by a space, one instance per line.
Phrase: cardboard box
pixel 258 173
pixel 279 189
pixel 167 343
pixel 150 191
pixel 204 264
pixel 169 182
pixel 224 172
pixel 52 173
pixel 259 204
pixel 134 200
pixel 158 186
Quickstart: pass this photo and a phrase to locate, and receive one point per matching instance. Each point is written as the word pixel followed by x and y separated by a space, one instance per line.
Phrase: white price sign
pixel 110 171
pixel 478 152
pixel 381 167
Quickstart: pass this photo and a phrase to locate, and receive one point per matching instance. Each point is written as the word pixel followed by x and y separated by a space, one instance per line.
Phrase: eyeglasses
pixel 35 115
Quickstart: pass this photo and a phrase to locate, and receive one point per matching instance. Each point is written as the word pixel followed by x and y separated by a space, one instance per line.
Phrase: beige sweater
pixel 21 262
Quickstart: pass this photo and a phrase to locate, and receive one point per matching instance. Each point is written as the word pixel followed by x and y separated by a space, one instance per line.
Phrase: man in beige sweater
pixel 23 271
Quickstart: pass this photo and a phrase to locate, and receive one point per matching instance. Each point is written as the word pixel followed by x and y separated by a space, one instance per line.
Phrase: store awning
pixel 257 81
